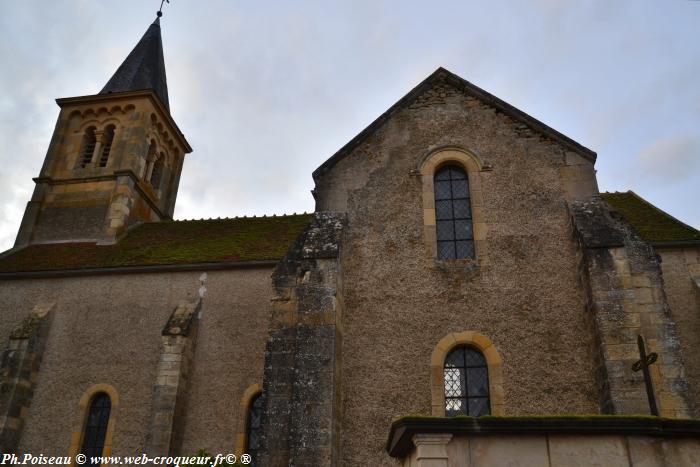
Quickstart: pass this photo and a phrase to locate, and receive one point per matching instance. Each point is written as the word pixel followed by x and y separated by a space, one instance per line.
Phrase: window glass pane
pixel 464 249
pixel 457 174
pixel 455 359
pixel 460 189
pixel 463 230
pixel 96 425
pixel 455 407
pixel 479 407
pixel 254 422
pixel 466 382
pixel 454 382
pixel 477 382
pixel 445 230
pixel 443 174
pixel 474 357
pixel 442 190
pixel 446 250
pixel 461 208
pixel 443 209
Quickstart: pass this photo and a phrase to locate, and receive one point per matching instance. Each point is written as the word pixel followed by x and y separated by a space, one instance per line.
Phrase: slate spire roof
pixel 143 68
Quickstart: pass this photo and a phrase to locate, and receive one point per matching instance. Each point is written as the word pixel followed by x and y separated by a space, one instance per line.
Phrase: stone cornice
pixel 147 93
pixel 158 268
pixel 399 443
pixel 102 178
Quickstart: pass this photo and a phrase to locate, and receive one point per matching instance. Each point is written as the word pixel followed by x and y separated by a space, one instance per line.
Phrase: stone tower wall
pixel 94 203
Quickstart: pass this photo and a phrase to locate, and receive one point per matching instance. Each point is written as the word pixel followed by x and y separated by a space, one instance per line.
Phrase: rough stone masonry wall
pixel 681 272
pixel 627 299
pixel 108 329
pixel 400 302
pixel 301 389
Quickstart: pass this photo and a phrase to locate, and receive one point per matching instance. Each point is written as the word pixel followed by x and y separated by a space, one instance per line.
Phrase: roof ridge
pixel 465 86
pixel 254 216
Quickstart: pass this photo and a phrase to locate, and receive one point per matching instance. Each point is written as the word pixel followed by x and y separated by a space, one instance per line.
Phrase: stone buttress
pixel 301 386
pixel 625 289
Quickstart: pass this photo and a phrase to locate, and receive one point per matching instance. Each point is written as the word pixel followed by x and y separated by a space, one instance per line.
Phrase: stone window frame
pixel 99 127
pixel 494 364
pixel 472 165
pixel 76 440
pixel 242 426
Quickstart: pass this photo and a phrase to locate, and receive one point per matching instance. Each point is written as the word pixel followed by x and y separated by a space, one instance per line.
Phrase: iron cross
pixel 643 364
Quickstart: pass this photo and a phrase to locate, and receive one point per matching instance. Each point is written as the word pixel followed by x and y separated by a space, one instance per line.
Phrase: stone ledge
pixel 399 443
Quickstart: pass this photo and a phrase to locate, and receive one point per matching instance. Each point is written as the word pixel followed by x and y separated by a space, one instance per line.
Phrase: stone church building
pixel 462 295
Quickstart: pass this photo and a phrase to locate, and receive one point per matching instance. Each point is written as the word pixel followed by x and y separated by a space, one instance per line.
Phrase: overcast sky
pixel 265 91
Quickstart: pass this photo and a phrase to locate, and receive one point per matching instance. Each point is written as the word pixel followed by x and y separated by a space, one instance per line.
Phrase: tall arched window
pixel 453 216
pixel 107 145
pixel 466 380
pixel 95 431
pixel 89 142
pixel 253 427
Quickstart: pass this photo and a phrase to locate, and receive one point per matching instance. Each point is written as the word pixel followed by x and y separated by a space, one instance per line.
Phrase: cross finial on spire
pixel 160 10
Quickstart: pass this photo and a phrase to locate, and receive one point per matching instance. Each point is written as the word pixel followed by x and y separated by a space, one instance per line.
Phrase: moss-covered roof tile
pixel 652 224
pixel 172 242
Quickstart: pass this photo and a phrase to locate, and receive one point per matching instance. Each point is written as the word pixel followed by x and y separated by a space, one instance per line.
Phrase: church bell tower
pixel 115 157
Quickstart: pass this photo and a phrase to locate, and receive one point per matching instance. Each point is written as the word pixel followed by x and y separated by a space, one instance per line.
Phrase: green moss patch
pixel 652 224
pixel 172 242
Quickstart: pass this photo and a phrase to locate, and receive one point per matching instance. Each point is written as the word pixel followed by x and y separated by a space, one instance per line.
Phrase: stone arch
pixel 242 426
pixel 81 416
pixel 493 362
pixel 473 165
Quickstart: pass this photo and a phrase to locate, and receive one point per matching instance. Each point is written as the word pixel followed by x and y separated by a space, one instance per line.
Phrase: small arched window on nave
pixel 253 427
pixel 108 138
pixel 88 147
pixel 466 380
pixel 95 431
pixel 453 216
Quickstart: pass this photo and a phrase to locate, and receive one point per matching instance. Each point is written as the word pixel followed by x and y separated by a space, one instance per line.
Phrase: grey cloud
pixel 266 92
pixel 670 160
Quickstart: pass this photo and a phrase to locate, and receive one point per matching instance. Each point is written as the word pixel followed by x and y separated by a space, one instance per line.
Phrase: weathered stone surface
pixel 301 388
pixel 19 369
pixel 398 302
pixel 623 276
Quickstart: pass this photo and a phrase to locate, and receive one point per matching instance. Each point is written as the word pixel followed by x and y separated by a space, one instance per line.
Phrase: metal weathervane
pixel 643 364
pixel 160 10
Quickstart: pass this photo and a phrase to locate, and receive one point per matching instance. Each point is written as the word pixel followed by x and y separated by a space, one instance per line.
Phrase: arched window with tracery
pixel 88 147
pixel 466 382
pixel 453 216
pixel 108 138
pixel 95 431
pixel 253 427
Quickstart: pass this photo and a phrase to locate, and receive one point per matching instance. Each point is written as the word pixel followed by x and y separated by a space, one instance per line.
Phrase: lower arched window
pixel 253 427
pixel 466 382
pixel 95 431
